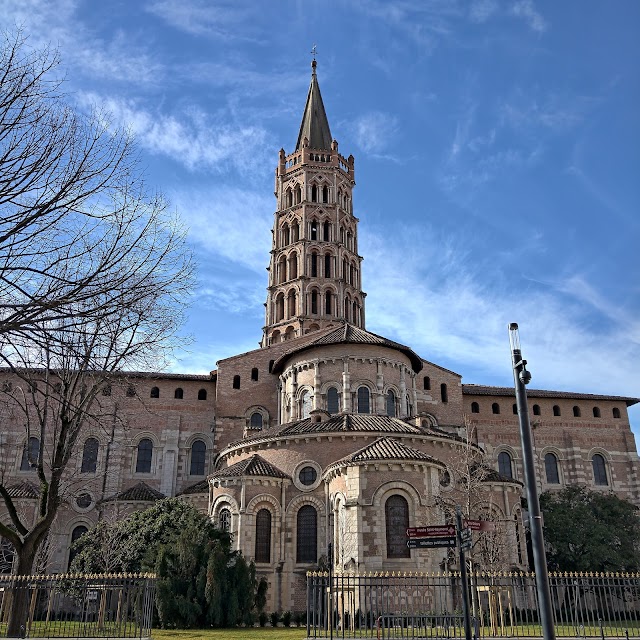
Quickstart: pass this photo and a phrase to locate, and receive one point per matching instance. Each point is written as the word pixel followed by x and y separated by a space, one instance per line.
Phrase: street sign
pixel 466 546
pixel 433 531
pixel 465 534
pixel 431 543
pixel 480 525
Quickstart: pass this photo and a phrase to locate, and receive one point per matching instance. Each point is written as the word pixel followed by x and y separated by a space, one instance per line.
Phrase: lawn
pixel 265 633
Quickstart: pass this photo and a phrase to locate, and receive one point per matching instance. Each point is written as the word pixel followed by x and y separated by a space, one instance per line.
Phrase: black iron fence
pixel 420 605
pixel 77 606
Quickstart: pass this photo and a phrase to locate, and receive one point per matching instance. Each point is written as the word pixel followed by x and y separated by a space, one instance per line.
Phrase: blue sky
pixel 497 147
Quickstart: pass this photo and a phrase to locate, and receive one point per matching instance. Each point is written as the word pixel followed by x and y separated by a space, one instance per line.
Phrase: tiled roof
pixel 483 390
pixel 488 474
pixel 198 487
pixel 386 448
pixel 23 489
pixel 348 334
pixel 140 492
pixel 253 466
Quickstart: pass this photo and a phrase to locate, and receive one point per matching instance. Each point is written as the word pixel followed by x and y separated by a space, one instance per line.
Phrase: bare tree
pixel 94 274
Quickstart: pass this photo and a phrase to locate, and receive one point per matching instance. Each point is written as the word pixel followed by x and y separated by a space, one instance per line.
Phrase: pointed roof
pixel 350 334
pixel 253 466
pixel 314 126
pixel 140 492
pixel 386 448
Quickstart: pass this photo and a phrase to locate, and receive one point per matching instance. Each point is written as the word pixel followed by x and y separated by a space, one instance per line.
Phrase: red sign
pixel 432 531
pixel 480 525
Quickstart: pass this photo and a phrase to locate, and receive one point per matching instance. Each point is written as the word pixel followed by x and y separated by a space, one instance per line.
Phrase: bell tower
pixel 314 271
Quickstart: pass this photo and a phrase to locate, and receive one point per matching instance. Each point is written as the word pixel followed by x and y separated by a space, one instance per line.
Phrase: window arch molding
pixel 72 526
pixel 399 487
pixel 551 451
pixel 300 398
pixel 256 408
pixel 291 520
pixel 225 501
pixel 135 445
pixel 264 501
pixel 514 460
pixel 608 466
pixel 90 458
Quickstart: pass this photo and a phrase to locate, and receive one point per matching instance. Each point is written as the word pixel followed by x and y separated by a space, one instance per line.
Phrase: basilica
pixel 325 444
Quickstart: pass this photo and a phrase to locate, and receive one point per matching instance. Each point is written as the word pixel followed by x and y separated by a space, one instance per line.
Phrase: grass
pixel 262 633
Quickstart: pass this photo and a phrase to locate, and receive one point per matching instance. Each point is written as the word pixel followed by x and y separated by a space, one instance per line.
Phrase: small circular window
pixel 84 501
pixel 308 476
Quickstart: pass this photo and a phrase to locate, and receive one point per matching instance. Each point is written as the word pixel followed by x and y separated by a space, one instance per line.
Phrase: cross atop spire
pixel 314 126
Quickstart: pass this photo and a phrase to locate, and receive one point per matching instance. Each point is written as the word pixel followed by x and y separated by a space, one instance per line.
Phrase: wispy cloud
pixel 437 303
pixel 525 9
pixel 118 58
pixel 229 223
pixel 220 20
pixel 192 138
pixel 374 131
pixel 482 10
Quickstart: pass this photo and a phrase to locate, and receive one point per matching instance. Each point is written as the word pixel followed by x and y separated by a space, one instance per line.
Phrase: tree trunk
pixel 18 616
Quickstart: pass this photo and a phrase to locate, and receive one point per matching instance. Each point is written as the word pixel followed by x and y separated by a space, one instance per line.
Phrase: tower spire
pixel 314 126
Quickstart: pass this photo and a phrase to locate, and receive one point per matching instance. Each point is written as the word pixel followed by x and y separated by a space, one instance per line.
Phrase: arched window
pixel 256 420
pixel 616 412
pixel 305 405
pixel 333 400
pixel 178 394
pixel 326 231
pixel 556 410
pixel 314 230
pixel 30 454
pixel 89 456
pixel 76 534
pixel 495 408
pixel 363 400
pixel 536 409
pixel 224 519
pixel 282 270
pixel 426 383
pixel 314 265
pixel 236 382
pixel 202 394
pixel 599 470
pixel 325 194
pixel 327 303
pixel 576 412
pixel 145 454
pixel 596 412
pixel 475 407
pixel 515 409
pixel 254 374
pixel 443 393
pixel 314 302
pixel 293 266
pixel 295 232
pixel 347 308
pixel 314 193
pixel 292 304
pixel 551 469
pixel 155 392
pixel 285 235
pixel 263 536
pixel 396 511
pixel 391 404
pixel 198 458
pixel 280 307
pixel 504 464
pixel 289 198
pixel 356 313
pixel 298 194
pixel 327 265
pixel 307 534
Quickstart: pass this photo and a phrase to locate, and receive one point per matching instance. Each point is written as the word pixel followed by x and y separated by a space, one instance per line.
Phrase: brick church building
pixel 328 434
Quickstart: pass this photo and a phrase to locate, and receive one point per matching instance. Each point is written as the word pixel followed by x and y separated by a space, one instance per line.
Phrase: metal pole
pixel 521 378
pixel 463 576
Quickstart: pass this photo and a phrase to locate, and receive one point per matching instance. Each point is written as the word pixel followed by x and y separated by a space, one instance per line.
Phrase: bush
pixel 300 618
pixel 286 618
pixel 274 616
pixel 262 618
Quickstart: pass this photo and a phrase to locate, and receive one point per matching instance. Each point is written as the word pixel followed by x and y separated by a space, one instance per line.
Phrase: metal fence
pixel 77 606
pixel 417 605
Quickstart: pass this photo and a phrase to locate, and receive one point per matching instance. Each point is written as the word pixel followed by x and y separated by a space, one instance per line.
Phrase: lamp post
pixel 521 378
